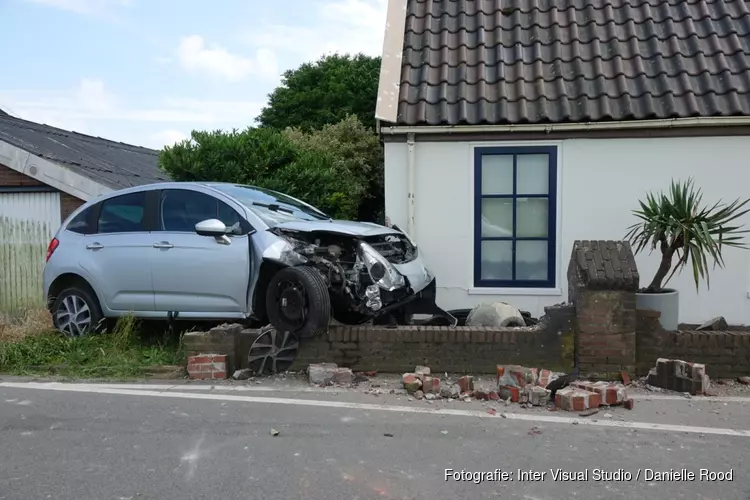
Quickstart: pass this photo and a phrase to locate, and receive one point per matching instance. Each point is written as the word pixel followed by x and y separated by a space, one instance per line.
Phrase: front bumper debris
pixel 422 302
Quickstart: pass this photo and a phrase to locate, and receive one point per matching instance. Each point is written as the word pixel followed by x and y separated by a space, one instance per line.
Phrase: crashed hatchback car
pixel 219 251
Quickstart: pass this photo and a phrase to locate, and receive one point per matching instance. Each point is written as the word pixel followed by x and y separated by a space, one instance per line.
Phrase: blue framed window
pixel 515 216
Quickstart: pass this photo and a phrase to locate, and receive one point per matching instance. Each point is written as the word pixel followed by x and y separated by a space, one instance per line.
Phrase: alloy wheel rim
pixel 73 316
pixel 273 351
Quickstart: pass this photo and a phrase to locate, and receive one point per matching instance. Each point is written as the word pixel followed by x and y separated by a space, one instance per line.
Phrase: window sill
pixel 550 292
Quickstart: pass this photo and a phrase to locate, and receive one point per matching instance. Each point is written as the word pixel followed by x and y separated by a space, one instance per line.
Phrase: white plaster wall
pixel 599 182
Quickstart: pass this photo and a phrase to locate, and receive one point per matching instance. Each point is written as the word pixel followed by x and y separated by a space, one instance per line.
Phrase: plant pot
pixel 667 302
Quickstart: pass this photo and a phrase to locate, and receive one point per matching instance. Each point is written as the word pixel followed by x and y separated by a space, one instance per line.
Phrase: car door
pixel 118 254
pixel 199 276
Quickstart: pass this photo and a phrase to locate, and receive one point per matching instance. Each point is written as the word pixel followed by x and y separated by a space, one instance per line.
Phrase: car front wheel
pixel 76 312
pixel 297 300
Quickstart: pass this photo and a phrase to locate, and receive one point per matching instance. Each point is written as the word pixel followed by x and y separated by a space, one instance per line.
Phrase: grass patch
pixel 30 347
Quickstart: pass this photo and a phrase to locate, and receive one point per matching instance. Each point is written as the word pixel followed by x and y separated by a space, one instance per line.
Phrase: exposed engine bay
pixel 360 272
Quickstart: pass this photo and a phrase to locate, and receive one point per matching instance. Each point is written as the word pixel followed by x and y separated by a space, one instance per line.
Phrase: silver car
pixel 217 251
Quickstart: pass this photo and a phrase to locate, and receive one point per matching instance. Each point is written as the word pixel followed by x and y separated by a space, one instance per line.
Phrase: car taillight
pixel 52 247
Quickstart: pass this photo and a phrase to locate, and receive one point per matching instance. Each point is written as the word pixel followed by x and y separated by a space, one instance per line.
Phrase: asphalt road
pixel 146 446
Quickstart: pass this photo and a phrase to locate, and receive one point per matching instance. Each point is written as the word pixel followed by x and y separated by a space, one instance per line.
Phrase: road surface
pixel 155 442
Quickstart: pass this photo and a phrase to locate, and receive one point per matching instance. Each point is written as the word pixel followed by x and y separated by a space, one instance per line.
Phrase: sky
pixel 148 72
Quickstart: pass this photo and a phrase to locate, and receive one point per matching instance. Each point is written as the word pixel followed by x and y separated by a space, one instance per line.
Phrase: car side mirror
pixel 211 227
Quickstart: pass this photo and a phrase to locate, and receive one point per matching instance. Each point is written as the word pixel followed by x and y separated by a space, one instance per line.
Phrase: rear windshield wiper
pixel 274 207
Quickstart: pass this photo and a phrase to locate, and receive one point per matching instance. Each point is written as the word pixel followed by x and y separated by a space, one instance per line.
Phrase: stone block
pixel 343 376
pixel 421 371
pixel 453 391
pixel 537 396
pixel 574 399
pixel 412 382
pixel 321 373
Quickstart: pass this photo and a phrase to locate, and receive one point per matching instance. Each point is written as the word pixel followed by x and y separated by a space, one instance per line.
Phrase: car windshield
pixel 271 206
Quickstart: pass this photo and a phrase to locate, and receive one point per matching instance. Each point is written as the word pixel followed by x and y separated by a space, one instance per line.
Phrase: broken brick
pixel 321 373
pixel 466 383
pixel 625 377
pixel 411 382
pixel 545 377
pixel 481 395
pixel 612 393
pixel 583 384
pixel 506 392
pixel 574 399
pixel 629 403
pixel 431 385
pixel 493 396
pixel 207 367
pixel 744 380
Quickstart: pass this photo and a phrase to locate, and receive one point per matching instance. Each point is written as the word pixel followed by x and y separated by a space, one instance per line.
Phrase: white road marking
pixel 329 390
pixel 112 389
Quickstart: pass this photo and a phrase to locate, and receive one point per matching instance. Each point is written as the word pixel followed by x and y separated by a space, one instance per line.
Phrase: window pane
pixel 497 174
pixel 532 217
pixel 123 214
pixel 80 223
pixel 181 209
pixel 497 260
pixel 533 174
pixel 497 217
pixel 531 260
pixel 229 216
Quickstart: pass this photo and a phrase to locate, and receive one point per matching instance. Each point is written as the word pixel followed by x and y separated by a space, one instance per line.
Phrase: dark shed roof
pixel 112 164
pixel 473 62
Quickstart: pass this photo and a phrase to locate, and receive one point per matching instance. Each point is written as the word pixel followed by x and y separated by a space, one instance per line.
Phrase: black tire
pixel 75 296
pixel 297 300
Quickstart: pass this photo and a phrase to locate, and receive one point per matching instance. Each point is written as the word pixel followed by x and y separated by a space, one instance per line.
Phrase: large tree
pixel 324 92
pixel 338 168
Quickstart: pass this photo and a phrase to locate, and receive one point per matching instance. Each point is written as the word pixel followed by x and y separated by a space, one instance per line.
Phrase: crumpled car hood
pixel 347 227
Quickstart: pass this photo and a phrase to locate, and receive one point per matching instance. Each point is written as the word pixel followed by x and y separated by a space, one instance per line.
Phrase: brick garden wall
pixel 725 354
pixel 11 178
pixel 443 349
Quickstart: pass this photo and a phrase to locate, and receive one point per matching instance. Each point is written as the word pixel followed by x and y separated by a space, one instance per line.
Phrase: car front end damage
pixel 372 273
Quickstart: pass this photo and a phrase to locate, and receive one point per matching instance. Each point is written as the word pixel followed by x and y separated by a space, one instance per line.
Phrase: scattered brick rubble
pixel 681 376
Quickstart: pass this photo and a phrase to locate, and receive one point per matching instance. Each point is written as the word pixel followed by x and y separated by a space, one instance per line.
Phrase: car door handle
pixel 163 244
pixel 94 246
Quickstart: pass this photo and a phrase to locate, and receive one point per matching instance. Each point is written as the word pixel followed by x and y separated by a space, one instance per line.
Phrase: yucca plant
pixel 680 226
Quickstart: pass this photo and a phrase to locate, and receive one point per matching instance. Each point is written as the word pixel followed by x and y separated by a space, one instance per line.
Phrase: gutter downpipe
pixel 411 184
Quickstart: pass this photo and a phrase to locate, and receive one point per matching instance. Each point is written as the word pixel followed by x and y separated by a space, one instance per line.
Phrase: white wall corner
pixel 389 85
pixel 50 173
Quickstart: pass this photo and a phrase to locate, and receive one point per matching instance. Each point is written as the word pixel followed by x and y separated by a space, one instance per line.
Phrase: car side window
pixel 123 214
pixel 81 223
pixel 182 209
pixel 229 216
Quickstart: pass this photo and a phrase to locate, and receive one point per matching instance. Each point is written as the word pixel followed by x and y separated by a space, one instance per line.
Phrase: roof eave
pixel 724 121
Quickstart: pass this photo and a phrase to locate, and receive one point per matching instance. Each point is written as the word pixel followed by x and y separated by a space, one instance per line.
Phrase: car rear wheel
pixel 297 300
pixel 76 312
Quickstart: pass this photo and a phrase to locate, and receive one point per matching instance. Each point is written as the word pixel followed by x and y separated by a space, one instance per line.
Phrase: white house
pixel 513 129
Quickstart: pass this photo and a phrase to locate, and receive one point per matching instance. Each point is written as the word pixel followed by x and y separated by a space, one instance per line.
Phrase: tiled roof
pixel 551 61
pixel 112 164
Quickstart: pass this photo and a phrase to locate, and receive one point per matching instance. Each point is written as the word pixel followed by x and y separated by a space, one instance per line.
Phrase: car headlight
pixel 381 271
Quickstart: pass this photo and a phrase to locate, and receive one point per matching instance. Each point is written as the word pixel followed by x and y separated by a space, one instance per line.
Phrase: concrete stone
pixel 466 383
pixel 454 391
pixel 422 371
pixel 744 380
pixel 716 324
pixel 412 383
pixel 574 399
pixel 321 373
pixel 242 374
pixel 537 396
pixel 419 395
pixel 343 376
pixel 431 385
pixel 496 314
